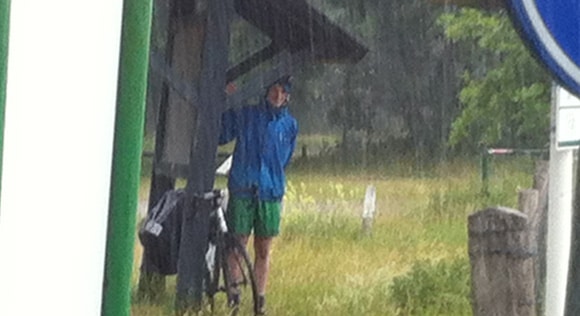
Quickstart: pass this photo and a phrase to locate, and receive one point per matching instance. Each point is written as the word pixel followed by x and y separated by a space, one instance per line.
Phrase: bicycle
pixel 225 252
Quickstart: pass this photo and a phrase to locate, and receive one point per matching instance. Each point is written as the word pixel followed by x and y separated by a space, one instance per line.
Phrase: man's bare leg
pixel 262 247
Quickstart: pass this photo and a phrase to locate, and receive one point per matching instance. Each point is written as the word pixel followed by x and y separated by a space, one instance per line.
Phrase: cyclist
pixel 265 136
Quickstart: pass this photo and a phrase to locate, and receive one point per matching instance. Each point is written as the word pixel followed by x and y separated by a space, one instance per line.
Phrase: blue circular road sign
pixel 552 28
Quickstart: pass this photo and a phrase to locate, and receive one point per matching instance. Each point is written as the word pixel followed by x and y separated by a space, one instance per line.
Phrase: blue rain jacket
pixel 265 140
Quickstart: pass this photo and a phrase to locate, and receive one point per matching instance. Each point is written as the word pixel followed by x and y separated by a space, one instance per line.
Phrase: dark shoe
pixel 261 308
pixel 234 300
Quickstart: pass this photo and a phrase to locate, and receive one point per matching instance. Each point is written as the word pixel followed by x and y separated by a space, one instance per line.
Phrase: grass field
pixel 413 263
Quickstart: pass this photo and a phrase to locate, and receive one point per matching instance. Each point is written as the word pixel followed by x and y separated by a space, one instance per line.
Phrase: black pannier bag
pixel 160 233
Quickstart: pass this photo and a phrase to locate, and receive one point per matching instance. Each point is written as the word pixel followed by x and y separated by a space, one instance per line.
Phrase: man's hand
pixel 231 88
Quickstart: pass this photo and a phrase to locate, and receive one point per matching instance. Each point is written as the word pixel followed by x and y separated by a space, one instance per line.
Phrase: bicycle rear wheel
pixel 243 284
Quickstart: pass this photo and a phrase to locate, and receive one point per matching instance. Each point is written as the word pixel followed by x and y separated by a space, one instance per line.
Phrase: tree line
pixel 439 80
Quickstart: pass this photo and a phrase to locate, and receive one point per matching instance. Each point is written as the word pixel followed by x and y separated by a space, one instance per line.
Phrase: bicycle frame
pixel 222 245
pixel 220 227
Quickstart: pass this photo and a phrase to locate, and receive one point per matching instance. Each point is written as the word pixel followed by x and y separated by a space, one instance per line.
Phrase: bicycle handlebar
pixel 216 196
pixel 217 193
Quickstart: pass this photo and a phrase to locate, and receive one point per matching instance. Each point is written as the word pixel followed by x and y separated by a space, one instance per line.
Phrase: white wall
pixel 61 91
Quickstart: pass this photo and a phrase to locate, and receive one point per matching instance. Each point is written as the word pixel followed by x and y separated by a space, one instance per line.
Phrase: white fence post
pixel 369 209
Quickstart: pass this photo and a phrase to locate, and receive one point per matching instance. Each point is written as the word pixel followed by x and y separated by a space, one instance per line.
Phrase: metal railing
pixel 487 153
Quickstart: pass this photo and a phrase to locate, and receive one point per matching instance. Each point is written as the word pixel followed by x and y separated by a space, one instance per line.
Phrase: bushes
pixel 441 288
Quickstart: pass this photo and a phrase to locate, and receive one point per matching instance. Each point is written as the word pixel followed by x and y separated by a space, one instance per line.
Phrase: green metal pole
pixel 4 28
pixel 128 143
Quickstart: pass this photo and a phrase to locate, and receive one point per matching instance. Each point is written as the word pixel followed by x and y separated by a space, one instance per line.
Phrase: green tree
pixel 405 88
pixel 506 95
pixel 420 70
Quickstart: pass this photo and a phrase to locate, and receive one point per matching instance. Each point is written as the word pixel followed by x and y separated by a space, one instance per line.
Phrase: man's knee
pixel 262 247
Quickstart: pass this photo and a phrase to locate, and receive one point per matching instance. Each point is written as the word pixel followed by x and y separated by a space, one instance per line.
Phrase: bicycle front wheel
pixel 242 290
pixel 215 265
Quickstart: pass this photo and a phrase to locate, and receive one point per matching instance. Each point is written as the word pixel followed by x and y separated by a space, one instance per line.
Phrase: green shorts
pixel 245 214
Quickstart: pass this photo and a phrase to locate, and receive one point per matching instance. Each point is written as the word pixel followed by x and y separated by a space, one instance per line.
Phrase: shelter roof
pixel 295 25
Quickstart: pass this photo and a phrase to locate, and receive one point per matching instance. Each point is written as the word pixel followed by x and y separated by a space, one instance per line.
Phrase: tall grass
pixel 413 263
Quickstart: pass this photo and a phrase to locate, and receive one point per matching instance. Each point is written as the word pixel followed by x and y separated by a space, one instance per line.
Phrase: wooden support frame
pixel 194 88
pixel 204 148
pixel 257 58
pixel 160 67
pixel 284 62
pixel 152 285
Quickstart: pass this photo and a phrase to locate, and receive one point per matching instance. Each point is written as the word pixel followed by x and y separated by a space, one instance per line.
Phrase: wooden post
pixel 539 225
pixel 212 101
pixel 151 285
pixel 502 270
pixel 528 203
pixel 369 210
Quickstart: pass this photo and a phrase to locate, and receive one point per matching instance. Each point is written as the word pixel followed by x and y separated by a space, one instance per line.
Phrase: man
pixel 265 137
